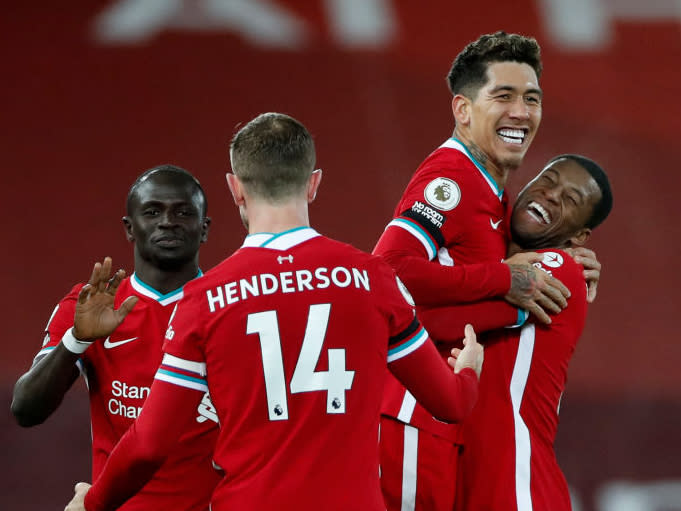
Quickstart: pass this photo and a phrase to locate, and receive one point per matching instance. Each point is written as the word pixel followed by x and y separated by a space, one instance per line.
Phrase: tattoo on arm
pixel 523 280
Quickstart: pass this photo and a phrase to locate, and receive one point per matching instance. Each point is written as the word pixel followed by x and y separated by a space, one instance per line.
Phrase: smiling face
pixel 166 221
pixel 554 208
pixel 502 119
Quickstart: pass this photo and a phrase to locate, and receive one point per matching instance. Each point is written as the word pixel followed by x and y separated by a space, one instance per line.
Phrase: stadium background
pixel 95 92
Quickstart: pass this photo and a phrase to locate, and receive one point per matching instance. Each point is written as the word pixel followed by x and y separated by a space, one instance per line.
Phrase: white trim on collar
pixel 453 143
pixel 280 241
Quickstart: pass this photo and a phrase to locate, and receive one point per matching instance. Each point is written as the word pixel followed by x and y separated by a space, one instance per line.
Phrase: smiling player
pixel 166 220
pixel 509 462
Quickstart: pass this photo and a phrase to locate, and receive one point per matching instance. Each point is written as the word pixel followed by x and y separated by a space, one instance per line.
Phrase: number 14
pixel 335 381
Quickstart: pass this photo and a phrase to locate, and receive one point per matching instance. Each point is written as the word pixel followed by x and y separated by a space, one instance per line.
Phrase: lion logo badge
pixel 442 193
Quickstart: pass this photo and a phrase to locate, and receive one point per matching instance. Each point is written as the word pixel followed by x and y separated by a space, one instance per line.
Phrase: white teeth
pixel 512 136
pixel 539 209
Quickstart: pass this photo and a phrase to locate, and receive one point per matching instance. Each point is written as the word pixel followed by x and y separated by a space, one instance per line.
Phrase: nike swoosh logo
pixel 494 224
pixel 108 344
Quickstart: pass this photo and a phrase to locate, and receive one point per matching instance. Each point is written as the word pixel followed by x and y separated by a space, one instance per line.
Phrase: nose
pixel 519 109
pixel 167 219
pixel 552 194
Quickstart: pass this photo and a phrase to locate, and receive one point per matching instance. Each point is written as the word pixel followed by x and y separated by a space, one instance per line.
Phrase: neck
pixel 498 173
pixel 513 248
pixel 266 217
pixel 162 280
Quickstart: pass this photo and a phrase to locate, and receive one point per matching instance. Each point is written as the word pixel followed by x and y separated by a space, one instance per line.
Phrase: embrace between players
pixel 264 382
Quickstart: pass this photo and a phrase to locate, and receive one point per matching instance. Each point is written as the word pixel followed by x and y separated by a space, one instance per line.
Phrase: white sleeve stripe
pixel 181 382
pixel 47 327
pixel 417 234
pixel 398 354
pixel 187 365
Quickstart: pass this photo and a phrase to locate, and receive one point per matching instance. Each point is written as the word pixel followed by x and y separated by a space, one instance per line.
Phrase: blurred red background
pixel 93 93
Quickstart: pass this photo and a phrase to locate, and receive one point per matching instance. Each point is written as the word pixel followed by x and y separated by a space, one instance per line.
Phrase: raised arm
pixel 448 395
pixel 446 324
pixel 168 412
pixel 432 284
pixel 40 391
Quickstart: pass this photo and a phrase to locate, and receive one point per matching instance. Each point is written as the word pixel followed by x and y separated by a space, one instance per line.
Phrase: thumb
pixel 591 291
pixel 82 487
pixel 469 335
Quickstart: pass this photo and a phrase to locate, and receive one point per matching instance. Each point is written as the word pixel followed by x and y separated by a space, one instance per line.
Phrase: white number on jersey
pixel 336 381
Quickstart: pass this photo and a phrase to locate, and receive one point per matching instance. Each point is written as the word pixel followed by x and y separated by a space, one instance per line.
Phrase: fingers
pixel 538 313
pixel 114 282
pixel 524 258
pixel 126 307
pixel 81 487
pixel 591 291
pixel 547 301
pixel 469 335
pixel 84 293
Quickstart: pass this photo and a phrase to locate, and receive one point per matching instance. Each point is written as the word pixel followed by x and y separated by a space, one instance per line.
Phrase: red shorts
pixel 418 470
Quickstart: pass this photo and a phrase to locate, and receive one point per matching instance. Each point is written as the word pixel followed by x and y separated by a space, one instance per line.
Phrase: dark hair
pixel 469 69
pixel 603 207
pixel 273 156
pixel 172 170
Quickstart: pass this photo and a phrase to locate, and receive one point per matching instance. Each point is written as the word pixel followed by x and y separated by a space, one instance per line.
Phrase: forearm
pixel 40 391
pixel 166 414
pixel 446 324
pixel 448 396
pixel 432 284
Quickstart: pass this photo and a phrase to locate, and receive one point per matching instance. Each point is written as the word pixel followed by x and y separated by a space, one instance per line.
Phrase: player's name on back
pixel 286 282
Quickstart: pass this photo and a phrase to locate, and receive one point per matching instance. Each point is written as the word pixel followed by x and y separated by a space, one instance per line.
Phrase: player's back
pixel 296 337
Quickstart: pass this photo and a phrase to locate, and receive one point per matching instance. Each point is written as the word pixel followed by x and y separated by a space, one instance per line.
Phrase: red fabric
pixel 505 451
pixel 153 437
pixel 119 378
pixel 436 468
pixel 434 284
pixel 446 324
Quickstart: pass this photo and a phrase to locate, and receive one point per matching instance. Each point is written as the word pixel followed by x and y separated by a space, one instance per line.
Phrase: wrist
pixel 73 344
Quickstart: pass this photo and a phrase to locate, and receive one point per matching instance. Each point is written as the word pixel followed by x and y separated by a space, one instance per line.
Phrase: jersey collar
pixel 455 143
pixel 282 240
pixel 148 291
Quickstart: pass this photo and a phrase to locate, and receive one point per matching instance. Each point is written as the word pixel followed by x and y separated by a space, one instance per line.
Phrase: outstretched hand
pixel 78 501
pixel 470 356
pixel 95 314
pixel 592 269
pixel 534 290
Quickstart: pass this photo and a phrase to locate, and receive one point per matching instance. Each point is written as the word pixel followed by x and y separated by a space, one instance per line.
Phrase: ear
pixel 461 108
pixel 235 187
pixel 127 225
pixel 205 227
pixel 581 237
pixel 313 185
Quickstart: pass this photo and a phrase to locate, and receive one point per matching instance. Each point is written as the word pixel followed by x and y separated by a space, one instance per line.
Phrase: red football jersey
pixel 296 379
pixel 454 215
pixel 119 371
pixel 509 461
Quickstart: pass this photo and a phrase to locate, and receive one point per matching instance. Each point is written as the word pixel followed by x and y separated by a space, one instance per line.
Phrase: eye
pixel 532 100
pixel 150 212
pixel 573 200
pixel 185 212
pixel 504 96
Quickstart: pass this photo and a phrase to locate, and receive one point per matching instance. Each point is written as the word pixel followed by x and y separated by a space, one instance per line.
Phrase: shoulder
pixel 560 265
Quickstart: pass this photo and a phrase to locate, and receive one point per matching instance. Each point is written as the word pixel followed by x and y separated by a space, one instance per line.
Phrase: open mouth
pixel 538 212
pixel 512 136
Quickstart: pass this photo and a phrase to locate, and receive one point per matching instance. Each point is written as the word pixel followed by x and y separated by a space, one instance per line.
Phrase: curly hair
pixel 469 69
